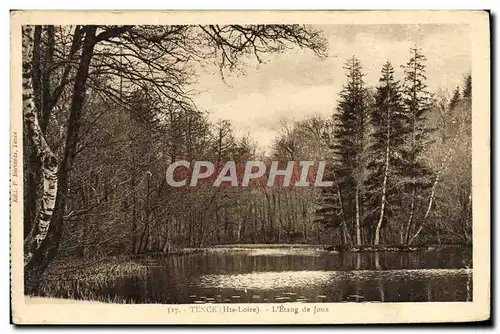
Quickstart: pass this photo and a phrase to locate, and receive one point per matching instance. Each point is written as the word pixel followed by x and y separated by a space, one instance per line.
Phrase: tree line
pixel 108 108
pixel 393 149
pixel 84 159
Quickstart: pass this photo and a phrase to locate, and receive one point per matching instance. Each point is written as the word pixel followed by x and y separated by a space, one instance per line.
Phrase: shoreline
pixel 318 247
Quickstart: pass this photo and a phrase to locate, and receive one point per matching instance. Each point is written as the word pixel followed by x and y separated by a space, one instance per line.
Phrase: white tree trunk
pixel 48 161
pixel 358 224
pixel 410 218
pixel 386 176
pixel 433 189
pixel 384 191
pixel 347 237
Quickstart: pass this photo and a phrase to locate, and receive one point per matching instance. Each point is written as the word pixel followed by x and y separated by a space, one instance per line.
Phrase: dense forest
pixel 107 109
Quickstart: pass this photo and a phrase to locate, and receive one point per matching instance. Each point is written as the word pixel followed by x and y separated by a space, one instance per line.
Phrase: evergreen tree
pixel 388 137
pixel 417 105
pixel 455 100
pixel 349 146
pixel 467 90
pixel 330 210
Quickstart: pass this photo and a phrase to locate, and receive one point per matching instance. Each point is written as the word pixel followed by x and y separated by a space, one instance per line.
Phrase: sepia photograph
pixel 250 167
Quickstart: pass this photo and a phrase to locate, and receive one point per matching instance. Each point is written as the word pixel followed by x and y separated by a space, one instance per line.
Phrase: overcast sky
pixel 297 84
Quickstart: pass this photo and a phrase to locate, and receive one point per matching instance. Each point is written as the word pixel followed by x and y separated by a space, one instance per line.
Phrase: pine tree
pixel 417 104
pixel 329 206
pixel 455 100
pixel 467 90
pixel 349 146
pixel 467 105
pixel 330 209
pixel 388 137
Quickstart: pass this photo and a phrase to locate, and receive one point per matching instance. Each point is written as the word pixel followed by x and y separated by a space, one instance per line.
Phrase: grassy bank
pixel 81 279
pixel 172 252
pixel 51 300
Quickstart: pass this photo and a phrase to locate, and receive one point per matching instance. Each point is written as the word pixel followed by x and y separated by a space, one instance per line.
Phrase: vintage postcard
pixel 213 167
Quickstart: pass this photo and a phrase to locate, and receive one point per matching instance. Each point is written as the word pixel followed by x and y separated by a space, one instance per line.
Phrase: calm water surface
pixel 303 275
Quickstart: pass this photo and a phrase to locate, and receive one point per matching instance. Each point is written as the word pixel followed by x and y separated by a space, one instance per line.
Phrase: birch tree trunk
pixel 49 229
pixel 358 224
pixel 47 159
pixel 433 192
pixel 346 235
pixel 386 175
pixel 410 218
pixel 384 191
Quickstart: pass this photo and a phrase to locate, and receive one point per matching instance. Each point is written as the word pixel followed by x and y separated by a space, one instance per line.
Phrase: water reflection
pixel 283 275
pixel 301 279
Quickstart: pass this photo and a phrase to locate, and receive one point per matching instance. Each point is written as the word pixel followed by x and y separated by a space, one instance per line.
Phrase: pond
pixel 305 274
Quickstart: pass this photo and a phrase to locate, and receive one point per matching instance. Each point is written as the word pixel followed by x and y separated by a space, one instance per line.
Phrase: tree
pixel 304 140
pixel 245 148
pixel 467 88
pixel 46 159
pixel 417 105
pixel 455 99
pixel 349 146
pixel 223 141
pixel 388 137
pixel 450 195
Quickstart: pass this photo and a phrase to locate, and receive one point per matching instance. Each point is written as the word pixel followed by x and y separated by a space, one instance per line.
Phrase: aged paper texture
pixel 288 167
